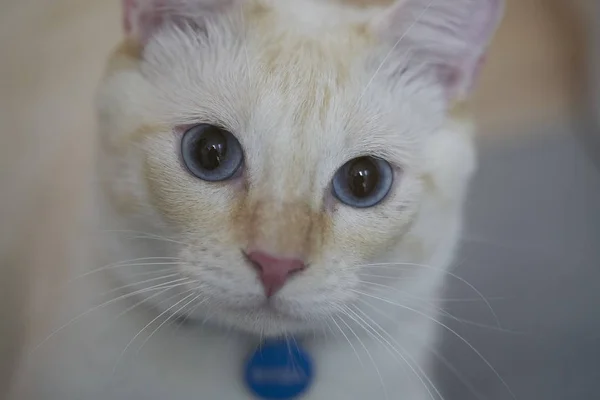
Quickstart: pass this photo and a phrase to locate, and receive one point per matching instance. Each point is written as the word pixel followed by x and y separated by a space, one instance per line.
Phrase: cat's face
pixel 269 140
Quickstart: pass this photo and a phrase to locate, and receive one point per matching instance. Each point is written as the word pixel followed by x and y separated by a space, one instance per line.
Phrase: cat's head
pixel 283 143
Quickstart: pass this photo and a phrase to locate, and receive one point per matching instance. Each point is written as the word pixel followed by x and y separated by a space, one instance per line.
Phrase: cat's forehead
pixel 261 52
pixel 285 78
pixel 296 98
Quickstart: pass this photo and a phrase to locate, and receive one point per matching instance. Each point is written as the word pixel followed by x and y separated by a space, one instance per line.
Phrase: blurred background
pixel 533 218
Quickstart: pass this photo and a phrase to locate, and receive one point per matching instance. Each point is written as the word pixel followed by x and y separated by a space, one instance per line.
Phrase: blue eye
pixel 211 153
pixel 363 182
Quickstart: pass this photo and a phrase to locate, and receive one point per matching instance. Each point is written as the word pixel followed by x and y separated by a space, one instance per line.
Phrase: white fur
pixel 291 152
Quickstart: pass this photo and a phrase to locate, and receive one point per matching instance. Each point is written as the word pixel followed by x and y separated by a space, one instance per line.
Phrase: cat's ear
pixel 142 18
pixel 446 37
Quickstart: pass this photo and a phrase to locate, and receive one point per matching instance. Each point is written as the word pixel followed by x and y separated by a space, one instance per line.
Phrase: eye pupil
pixel 211 149
pixel 211 153
pixel 363 177
pixel 363 182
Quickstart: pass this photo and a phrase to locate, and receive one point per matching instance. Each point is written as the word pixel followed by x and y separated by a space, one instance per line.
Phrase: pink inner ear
pixel 477 70
pixel 127 9
pixel 141 17
pixel 459 81
pixel 451 35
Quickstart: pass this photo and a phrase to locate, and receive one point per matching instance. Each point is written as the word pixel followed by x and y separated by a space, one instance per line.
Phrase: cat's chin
pixel 263 320
pixel 268 326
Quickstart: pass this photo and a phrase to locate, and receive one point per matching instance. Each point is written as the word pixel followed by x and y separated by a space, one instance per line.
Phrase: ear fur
pixel 142 18
pixel 449 36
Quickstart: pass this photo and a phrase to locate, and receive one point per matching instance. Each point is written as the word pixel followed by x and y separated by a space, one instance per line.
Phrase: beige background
pixel 52 54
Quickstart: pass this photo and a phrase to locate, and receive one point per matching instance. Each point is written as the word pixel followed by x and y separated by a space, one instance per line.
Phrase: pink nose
pixel 274 271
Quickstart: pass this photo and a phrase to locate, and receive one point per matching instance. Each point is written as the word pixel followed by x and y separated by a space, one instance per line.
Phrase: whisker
pixel 471 286
pixel 427 302
pixel 59 290
pixel 407 294
pixel 132 231
pixel 447 363
pixel 123 264
pixel 482 326
pixel 417 374
pixel 384 389
pixel 166 320
pixel 187 315
pixel 442 310
pixel 209 315
pixel 76 318
pixel 489 365
pixel 444 299
pixel 147 235
pixel 120 288
pixel 148 299
pixel 151 272
pixel 329 327
pixel 150 323
pixel 503 246
pixel 349 342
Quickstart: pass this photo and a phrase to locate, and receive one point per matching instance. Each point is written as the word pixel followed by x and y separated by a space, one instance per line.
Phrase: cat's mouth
pixel 267 307
pixel 264 319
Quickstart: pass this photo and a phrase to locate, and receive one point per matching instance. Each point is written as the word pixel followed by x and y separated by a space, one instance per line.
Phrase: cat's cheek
pixel 364 234
pixel 186 203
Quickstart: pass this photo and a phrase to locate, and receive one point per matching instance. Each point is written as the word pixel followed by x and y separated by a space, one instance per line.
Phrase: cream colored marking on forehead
pixel 290 35
pixel 310 17
pixel 303 73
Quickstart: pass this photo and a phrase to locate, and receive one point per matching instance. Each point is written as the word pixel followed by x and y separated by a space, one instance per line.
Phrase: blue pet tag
pixel 279 370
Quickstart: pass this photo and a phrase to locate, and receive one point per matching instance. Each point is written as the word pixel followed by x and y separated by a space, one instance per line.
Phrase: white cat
pixel 273 168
